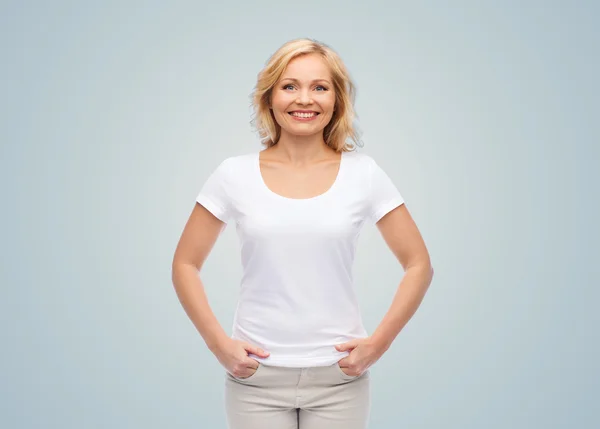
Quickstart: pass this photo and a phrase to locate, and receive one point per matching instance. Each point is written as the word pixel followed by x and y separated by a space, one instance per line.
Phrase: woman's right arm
pixel 197 240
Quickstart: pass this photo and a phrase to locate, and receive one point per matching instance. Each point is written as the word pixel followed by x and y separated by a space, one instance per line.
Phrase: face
pixel 304 99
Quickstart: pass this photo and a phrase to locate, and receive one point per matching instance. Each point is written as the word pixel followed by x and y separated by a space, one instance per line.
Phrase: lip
pixel 299 119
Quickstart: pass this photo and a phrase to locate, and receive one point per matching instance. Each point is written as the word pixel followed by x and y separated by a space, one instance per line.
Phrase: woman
pixel 299 355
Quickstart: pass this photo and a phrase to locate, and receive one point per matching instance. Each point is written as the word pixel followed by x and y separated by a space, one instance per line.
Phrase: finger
pixel 256 350
pixel 251 363
pixel 344 363
pixel 347 346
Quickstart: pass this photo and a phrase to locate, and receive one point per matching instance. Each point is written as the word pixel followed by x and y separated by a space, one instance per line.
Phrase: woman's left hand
pixel 364 352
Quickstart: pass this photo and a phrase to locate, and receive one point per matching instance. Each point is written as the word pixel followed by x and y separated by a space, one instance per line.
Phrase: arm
pixel 197 240
pixel 404 240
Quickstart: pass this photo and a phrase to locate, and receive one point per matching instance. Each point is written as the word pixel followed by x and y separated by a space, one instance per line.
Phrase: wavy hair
pixel 341 133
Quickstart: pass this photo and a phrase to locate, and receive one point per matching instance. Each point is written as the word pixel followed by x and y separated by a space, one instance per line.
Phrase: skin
pixel 301 165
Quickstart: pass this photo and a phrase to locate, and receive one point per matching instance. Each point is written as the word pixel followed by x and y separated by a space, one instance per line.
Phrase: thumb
pixel 346 346
pixel 256 350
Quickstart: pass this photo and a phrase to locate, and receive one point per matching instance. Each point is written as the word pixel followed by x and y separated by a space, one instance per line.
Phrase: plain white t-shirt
pixel 297 297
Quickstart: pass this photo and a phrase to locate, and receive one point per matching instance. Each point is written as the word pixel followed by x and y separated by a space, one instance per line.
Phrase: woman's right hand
pixel 233 355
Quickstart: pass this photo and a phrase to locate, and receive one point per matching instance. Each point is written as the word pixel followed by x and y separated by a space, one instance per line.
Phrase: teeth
pixel 303 115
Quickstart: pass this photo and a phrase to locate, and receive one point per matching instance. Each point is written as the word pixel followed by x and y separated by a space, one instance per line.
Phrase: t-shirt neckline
pixel 329 191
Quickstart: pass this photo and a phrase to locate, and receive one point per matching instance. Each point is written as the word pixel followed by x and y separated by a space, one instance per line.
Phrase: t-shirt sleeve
pixel 215 192
pixel 383 193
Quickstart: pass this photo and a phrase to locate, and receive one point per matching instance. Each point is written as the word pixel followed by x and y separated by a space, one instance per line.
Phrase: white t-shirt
pixel 297 297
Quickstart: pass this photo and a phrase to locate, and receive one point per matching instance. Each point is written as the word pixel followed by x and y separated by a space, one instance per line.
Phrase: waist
pixel 298 342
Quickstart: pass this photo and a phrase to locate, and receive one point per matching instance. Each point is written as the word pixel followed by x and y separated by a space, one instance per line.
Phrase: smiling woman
pixel 299 355
pixel 301 104
pixel 305 78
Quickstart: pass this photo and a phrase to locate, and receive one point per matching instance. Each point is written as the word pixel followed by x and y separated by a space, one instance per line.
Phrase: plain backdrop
pixel 483 113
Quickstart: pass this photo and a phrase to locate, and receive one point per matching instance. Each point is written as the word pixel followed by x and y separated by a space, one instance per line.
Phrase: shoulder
pixel 236 164
pixel 360 162
pixel 366 167
pixel 360 157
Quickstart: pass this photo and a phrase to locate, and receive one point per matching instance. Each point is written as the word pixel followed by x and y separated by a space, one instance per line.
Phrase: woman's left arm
pixel 404 239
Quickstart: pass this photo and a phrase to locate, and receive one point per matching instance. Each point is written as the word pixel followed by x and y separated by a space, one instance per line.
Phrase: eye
pixel 289 85
pixel 321 87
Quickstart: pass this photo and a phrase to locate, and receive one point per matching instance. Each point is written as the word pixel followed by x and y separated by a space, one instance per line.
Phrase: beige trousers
pixel 298 398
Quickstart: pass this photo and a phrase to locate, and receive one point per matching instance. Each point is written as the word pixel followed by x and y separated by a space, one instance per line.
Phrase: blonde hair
pixel 340 129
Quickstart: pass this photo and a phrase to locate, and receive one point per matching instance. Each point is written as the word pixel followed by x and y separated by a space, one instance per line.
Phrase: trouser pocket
pixel 342 374
pixel 250 378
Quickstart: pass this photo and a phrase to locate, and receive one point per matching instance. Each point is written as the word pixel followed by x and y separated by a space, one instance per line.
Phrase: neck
pixel 302 149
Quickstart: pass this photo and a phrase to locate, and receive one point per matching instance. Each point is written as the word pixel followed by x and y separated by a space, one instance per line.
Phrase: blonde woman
pixel 299 356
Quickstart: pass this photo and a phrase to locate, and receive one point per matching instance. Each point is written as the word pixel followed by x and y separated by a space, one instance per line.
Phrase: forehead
pixel 310 66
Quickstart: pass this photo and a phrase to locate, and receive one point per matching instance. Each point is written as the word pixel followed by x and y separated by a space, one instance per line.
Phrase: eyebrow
pixel 297 81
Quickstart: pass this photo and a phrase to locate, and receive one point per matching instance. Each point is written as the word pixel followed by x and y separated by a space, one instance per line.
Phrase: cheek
pixel 279 113
pixel 279 105
pixel 328 102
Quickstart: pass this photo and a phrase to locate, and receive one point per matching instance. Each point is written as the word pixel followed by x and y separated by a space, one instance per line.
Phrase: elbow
pixel 422 269
pixel 427 272
pixel 176 270
pixel 179 267
pixel 429 269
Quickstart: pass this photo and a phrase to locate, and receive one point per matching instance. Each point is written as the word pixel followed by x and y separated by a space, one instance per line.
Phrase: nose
pixel 304 97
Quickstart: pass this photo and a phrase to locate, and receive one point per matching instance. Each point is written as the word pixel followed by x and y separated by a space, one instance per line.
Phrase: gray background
pixel 483 113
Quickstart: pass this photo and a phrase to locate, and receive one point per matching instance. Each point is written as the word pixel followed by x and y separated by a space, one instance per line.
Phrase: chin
pixel 303 132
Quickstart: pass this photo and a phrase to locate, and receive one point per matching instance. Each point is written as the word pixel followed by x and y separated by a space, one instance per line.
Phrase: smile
pixel 304 116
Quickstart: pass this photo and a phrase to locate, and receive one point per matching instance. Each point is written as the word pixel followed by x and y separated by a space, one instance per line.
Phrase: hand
pixel 233 355
pixel 364 352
